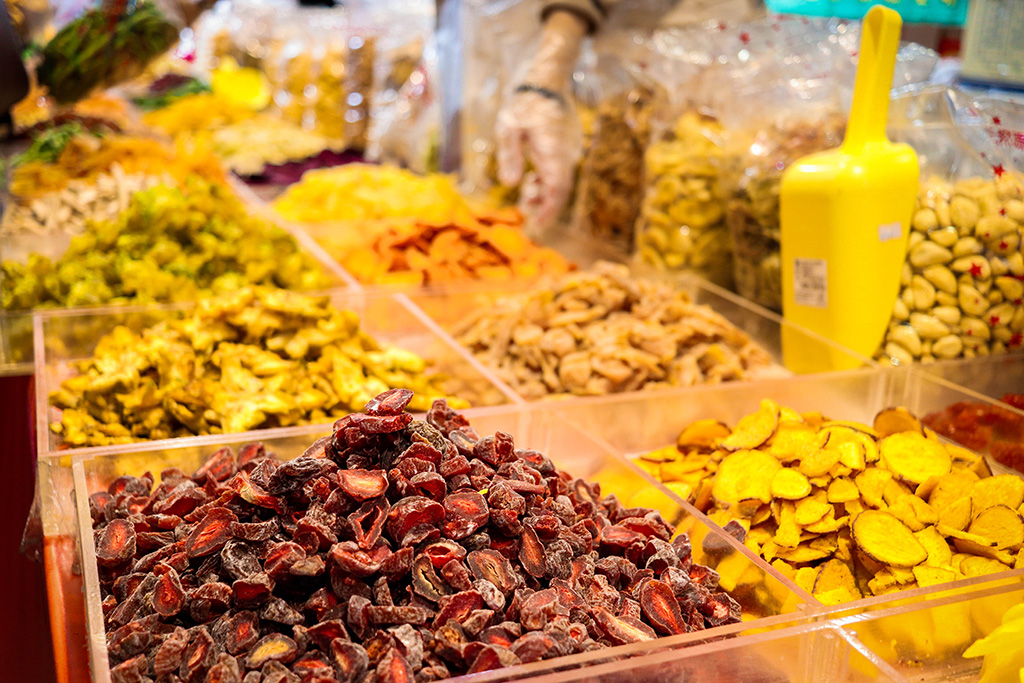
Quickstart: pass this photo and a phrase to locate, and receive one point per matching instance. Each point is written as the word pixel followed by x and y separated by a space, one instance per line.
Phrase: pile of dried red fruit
pixel 393 550
pixel 981 425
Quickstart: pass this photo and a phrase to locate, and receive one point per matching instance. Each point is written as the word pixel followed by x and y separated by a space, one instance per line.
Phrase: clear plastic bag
pixel 962 284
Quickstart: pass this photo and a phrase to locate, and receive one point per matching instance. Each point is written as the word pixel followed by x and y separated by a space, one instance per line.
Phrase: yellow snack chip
pixel 957 515
pixel 1002 489
pixel 806 577
pixel 842 490
pixel 743 475
pixel 702 435
pixel 792 441
pixel 914 458
pixel 931 576
pixel 828 524
pixel 755 429
pixel 902 510
pixel 803 554
pixel 939 553
pixel 817 463
pixel 835 574
pixel 790 485
pixel 852 455
pixel 871 483
pixel 956 534
pixel 895 420
pixel 979 566
pixel 999 524
pixel 810 511
pixel 886 539
pixel 951 487
pixel 788 534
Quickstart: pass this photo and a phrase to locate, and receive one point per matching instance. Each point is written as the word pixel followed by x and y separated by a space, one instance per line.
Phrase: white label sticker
pixel 810 282
pixel 889 231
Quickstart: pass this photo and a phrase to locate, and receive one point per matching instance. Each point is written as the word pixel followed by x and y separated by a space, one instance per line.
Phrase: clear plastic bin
pixel 993 376
pixel 804 653
pixel 450 308
pixel 63 337
pixel 636 424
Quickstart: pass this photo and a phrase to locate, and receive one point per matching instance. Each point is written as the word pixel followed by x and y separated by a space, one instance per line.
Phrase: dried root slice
pixel 701 435
pixel 1003 489
pixel 810 511
pixel 871 484
pixel 932 576
pixel 793 441
pixel 790 485
pixel 887 540
pixel 745 475
pixel 895 420
pixel 842 490
pixel 999 524
pixel 939 553
pixel 914 458
pixel 755 429
pixel 835 583
pixel 817 463
pixel 957 515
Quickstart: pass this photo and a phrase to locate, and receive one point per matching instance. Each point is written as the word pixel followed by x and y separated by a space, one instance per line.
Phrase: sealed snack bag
pixel 962 283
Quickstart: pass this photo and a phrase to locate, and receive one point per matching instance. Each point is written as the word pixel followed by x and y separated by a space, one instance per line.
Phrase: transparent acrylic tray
pixel 794 655
pixel 64 337
pixel 993 376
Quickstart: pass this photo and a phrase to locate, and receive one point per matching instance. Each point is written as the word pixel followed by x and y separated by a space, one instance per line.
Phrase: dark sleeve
pixel 13 78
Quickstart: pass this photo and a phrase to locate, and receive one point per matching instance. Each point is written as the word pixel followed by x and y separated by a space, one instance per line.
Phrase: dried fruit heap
pixel 253 359
pixel 981 425
pixel 402 548
pixel 604 331
pixel 847 510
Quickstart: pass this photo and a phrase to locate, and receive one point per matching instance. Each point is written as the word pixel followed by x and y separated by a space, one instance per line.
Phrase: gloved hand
pixel 536 127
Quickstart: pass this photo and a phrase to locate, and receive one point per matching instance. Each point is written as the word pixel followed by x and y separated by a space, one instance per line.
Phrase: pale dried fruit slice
pixel 852 454
pixel 887 540
pixel 755 429
pixel 894 420
pixel 950 488
pixel 932 576
pixel 842 490
pixel 914 458
pixel 790 485
pixel 744 475
pixel 1002 489
pixel 788 533
pixel 810 511
pixel 979 566
pixel 702 435
pixel 806 577
pixel 835 583
pixel 828 524
pixel 871 484
pixel 792 441
pixel 999 524
pixel 939 554
pixel 804 553
pixel 818 462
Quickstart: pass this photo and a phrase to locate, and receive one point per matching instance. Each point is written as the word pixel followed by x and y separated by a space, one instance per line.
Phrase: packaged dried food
pixel 410 548
pixel 251 359
pixel 603 331
pixel 961 284
pixel 846 509
pixel 171 244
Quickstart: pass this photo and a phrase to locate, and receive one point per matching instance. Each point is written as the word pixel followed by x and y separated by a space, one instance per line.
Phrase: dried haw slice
pixel 168 595
pixel 410 512
pixel 492 566
pixel 171 653
pixel 394 669
pixel 242 632
pixel 457 607
pixel 465 513
pixel 271 648
pixel 324 633
pixel 457 576
pixel 398 564
pixel 199 656
pixel 429 484
pixel 312 666
pixel 252 591
pixel 280 558
pixel 211 534
pixel 367 522
pixel 621 630
pixel 661 608
pixel 350 661
pixel 531 553
pixel 277 610
pixel 535 646
pixel 720 609
pixel 239 561
pixel 391 402
pixel 117 543
pixel 357 562
pixel 218 467
pixel 363 484
pixel 425 582
pixel 377 615
pixel 443 551
pixel 130 671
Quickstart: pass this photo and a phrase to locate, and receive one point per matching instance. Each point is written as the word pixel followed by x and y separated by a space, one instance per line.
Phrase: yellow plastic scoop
pixel 845 217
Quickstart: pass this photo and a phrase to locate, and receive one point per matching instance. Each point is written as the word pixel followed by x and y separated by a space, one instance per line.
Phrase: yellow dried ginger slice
pixel 914 458
pixel 979 566
pixel 895 420
pixel 886 539
pixel 806 577
pixel 1000 524
pixel 702 435
pixel 810 511
pixel 957 515
pixel 842 490
pixel 871 483
pixel 792 441
pixel 745 475
pixel 933 576
pixel 1002 489
pixel 789 484
pixel 939 552
pixel 818 462
pixel 951 487
pixel 755 429
pixel 788 533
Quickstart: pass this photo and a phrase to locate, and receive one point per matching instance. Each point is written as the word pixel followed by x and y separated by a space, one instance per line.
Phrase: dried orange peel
pixel 847 509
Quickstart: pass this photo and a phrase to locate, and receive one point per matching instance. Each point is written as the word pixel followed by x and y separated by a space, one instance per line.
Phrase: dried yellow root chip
pixel 701 435
pixel 790 485
pixel 999 524
pixel 977 541
pixel 802 554
pixel 872 485
pixel 979 566
pixel 939 553
pixel 896 420
pixel 842 490
pixel 951 488
pixel 810 511
pixel 914 458
pixel 828 524
pixel 1003 489
pixel 788 534
pixel 956 515
pixel 818 462
pixel 744 475
pixel 755 429
pixel 792 441
pixel 805 577
pixel 932 576
pixel 887 540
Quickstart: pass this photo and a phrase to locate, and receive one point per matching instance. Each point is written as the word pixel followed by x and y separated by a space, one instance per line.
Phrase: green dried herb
pixel 169 245
pixel 256 358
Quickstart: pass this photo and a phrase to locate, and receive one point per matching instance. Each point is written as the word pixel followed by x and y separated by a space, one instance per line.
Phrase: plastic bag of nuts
pixel 963 279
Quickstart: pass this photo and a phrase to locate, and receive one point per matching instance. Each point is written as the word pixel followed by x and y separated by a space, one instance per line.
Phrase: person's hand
pixel 536 129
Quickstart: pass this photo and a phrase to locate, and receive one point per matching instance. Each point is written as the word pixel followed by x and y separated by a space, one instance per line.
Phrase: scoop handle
pixel 879 42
